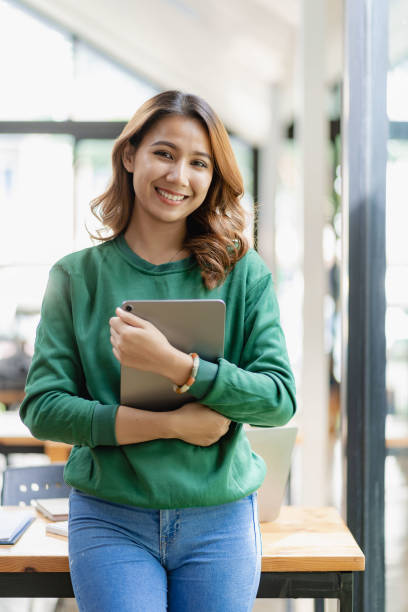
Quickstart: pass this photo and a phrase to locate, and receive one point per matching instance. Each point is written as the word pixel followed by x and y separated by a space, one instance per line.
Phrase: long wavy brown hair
pixel 214 230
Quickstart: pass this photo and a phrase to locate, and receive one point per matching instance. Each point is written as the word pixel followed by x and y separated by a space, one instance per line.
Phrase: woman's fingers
pixel 116 324
pixel 114 338
pixel 138 343
pixel 124 319
pixel 114 333
pixel 125 339
pixel 130 318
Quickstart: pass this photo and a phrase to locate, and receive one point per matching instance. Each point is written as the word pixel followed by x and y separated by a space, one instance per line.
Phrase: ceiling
pixel 231 52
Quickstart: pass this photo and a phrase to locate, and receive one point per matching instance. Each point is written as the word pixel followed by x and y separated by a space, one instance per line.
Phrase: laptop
pixel 193 326
pixel 275 446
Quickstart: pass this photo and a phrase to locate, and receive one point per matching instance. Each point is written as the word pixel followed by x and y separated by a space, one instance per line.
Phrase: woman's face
pixel 172 169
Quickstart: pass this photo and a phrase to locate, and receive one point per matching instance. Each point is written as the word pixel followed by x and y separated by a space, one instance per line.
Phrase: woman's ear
pixel 127 157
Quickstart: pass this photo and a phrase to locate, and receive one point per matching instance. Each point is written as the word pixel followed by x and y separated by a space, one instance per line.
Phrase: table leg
pixel 346 592
pixel 319 605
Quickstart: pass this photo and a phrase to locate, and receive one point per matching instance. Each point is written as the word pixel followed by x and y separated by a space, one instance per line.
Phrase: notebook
pixel 275 446
pixel 54 508
pixel 60 528
pixel 13 523
pixel 189 325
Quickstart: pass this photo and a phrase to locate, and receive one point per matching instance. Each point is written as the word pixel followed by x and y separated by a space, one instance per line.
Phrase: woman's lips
pixel 170 197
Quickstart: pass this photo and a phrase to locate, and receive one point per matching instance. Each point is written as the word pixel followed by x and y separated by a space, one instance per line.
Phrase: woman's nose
pixel 178 173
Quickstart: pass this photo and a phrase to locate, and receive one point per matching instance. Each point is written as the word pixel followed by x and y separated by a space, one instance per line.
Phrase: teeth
pixel 170 196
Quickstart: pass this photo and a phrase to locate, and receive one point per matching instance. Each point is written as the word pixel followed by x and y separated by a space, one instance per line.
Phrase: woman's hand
pixel 138 344
pixel 193 423
pixel 197 424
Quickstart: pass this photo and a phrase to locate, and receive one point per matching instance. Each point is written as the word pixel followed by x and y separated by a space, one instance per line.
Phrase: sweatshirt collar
pixel 150 268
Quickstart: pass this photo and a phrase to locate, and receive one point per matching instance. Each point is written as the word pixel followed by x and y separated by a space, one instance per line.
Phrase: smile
pixel 172 197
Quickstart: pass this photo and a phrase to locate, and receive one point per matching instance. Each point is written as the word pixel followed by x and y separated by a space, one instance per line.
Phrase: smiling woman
pixel 172 171
pixel 178 140
pixel 163 503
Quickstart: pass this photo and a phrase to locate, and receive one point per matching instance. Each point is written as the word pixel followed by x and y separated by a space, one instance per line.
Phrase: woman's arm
pixel 57 405
pixel 138 344
pixel 193 423
pixel 260 390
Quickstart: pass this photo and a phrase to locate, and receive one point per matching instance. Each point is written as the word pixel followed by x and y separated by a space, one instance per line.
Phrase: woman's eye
pixel 165 154
pixel 200 163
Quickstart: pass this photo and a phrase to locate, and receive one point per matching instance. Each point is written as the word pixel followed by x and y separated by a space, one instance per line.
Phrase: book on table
pixel 53 508
pixel 13 523
pixel 58 528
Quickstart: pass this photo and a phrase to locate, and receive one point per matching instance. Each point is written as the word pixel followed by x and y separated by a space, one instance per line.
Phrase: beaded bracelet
pixel 191 378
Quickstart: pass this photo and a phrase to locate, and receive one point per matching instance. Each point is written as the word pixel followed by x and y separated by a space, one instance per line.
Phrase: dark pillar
pixel 365 129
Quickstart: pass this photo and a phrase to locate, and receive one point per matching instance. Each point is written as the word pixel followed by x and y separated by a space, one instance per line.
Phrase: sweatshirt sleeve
pixel 260 390
pixel 57 405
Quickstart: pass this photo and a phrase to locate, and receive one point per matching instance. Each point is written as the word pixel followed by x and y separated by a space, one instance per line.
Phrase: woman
pixel 163 507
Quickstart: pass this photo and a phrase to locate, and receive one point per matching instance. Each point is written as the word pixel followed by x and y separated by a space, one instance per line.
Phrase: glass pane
pixel 93 170
pixel 397 92
pixel 103 90
pixel 396 530
pixel 36 67
pixel 36 198
pixel 397 85
pixel 397 211
pixel 289 251
pixel 397 287
pixel 22 291
pixel 396 466
pixel 244 156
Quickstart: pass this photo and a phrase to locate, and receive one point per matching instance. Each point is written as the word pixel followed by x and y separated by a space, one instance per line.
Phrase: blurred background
pixel 71 76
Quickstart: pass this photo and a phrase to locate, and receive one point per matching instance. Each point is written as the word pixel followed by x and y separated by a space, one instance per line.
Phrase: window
pixel 73 101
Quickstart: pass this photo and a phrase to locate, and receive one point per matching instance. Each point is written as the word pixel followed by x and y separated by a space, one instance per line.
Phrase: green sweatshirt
pixel 73 386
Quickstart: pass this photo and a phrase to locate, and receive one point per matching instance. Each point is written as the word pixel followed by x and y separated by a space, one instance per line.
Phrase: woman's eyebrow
pixel 175 147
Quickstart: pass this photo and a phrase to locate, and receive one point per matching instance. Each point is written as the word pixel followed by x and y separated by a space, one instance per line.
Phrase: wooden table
pixel 11 396
pixel 307 552
pixel 15 437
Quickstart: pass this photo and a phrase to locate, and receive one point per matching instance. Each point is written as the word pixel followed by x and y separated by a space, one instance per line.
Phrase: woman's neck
pixel 159 245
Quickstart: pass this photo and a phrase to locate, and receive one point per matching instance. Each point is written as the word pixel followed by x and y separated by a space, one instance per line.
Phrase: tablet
pixel 192 326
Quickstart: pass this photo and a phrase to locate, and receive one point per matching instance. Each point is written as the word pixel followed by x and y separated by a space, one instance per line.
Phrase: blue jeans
pixel 129 559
